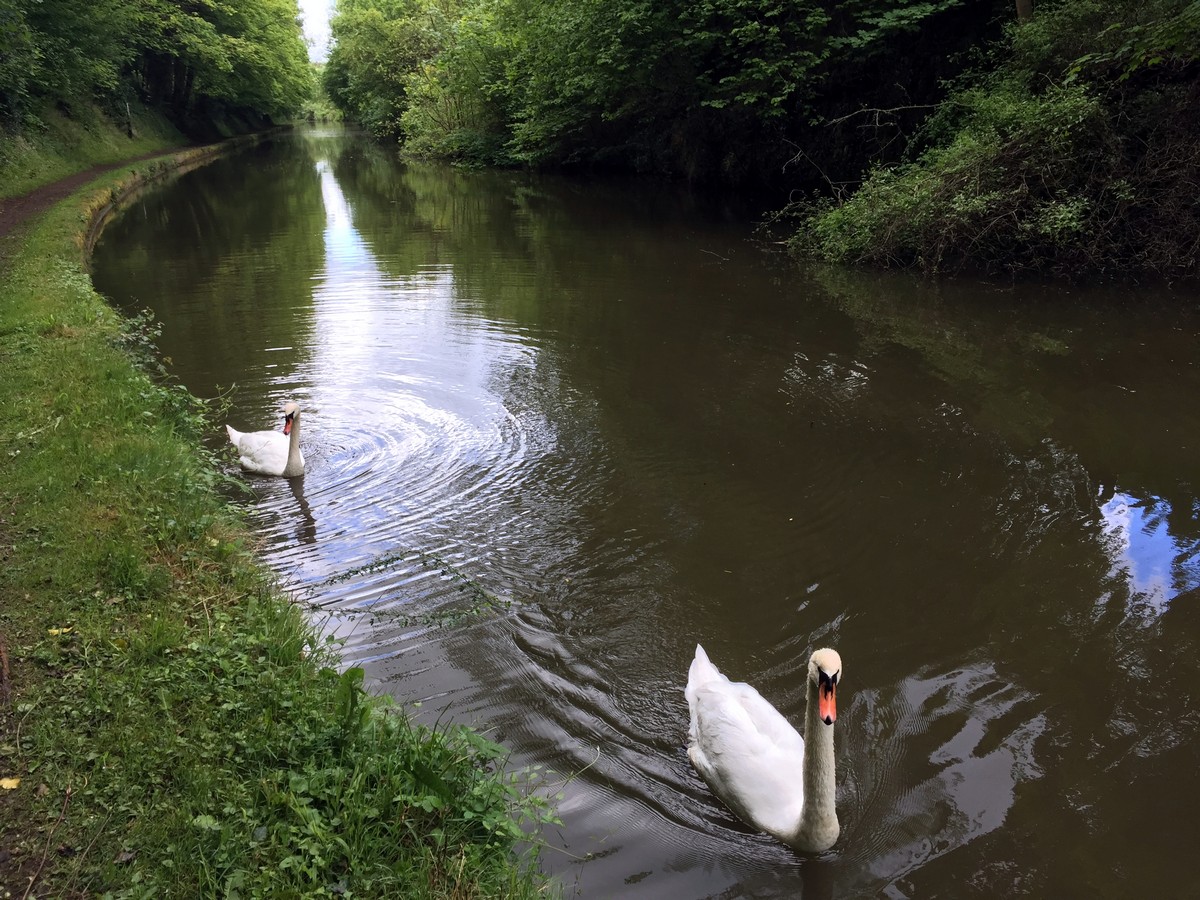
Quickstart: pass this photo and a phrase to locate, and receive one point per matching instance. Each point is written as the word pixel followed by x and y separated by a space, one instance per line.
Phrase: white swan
pixel 754 761
pixel 272 452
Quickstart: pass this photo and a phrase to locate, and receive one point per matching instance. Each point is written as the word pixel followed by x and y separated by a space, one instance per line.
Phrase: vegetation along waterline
pixel 1036 136
pixel 172 725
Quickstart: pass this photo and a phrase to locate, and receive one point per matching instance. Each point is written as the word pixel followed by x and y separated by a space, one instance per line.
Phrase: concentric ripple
pixel 410 477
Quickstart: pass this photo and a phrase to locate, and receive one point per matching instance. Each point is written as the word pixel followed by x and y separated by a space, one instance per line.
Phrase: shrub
pixel 1064 161
pixel 1005 191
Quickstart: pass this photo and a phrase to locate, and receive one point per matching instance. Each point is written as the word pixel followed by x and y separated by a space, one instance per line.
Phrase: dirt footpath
pixel 17 211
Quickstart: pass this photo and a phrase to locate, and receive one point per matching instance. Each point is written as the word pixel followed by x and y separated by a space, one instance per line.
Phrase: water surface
pixel 558 432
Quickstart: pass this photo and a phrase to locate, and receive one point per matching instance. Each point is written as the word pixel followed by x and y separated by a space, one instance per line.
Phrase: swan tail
pixel 702 671
pixel 234 434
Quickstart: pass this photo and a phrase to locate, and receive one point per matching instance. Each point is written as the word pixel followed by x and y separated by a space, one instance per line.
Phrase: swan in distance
pixel 272 452
pixel 756 763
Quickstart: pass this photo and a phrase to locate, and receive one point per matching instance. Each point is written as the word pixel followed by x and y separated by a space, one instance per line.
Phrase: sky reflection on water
pixel 1157 565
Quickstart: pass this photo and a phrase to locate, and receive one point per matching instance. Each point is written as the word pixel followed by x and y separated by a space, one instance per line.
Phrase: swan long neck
pixel 295 464
pixel 818 829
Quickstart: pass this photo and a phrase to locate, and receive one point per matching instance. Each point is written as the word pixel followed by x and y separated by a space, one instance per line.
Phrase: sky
pixel 315 14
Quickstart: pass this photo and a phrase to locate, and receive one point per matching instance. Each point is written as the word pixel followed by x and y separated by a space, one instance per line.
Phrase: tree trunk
pixel 1024 10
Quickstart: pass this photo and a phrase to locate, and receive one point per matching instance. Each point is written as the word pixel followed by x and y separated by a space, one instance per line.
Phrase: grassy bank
pixel 171 726
pixel 60 145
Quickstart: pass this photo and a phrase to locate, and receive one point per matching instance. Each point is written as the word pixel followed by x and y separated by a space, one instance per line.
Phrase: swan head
pixel 291 412
pixel 824 671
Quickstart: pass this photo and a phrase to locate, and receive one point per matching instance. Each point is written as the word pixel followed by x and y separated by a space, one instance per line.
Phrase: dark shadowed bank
pixel 169 724
pixel 1076 152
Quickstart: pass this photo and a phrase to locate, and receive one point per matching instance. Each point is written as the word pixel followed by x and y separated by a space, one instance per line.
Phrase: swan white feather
pixel 272 452
pixel 752 758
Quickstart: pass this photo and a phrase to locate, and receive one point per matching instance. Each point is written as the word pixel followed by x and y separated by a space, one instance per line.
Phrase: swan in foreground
pixel 272 452
pixel 754 761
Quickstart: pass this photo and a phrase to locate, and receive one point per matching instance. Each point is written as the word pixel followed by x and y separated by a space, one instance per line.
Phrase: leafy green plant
pixel 1002 189
pixel 712 89
pixel 206 58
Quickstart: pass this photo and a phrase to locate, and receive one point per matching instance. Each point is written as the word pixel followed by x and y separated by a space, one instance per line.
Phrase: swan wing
pixel 745 750
pixel 265 452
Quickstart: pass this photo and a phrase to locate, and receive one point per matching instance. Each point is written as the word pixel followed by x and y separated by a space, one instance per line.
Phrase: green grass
pixel 178 728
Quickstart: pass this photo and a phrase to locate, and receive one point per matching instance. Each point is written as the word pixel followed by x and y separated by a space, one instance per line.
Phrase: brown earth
pixel 15 212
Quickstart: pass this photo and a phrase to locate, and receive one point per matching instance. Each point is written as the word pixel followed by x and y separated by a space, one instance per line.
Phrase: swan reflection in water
pixel 306 525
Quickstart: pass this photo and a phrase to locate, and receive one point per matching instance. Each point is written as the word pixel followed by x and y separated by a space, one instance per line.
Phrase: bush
pixel 1003 192
pixel 457 102
pixel 1080 155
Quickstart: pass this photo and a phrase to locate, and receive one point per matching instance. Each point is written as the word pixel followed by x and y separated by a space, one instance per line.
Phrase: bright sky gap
pixel 316 15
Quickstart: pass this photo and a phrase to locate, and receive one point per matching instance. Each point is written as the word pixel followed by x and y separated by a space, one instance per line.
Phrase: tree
pixel 702 88
pixel 17 62
pixel 378 44
pixel 248 55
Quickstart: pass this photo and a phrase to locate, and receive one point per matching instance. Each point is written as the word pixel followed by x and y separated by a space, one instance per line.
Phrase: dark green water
pixel 558 432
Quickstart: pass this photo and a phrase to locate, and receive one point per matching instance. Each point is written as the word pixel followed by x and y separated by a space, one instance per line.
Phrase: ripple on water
pixel 417 491
pixel 421 486
pixel 926 766
pixel 969 732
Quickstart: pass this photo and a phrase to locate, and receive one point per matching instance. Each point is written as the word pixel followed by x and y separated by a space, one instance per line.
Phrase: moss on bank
pixel 175 726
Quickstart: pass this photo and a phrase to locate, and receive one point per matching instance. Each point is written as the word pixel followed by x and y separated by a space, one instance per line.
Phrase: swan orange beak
pixel 827 701
pixel 287 424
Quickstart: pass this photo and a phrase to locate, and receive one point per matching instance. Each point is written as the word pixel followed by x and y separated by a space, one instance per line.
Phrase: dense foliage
pixel 195 59
pixel 1079 153
pixel 708 89
pixel 1059 135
